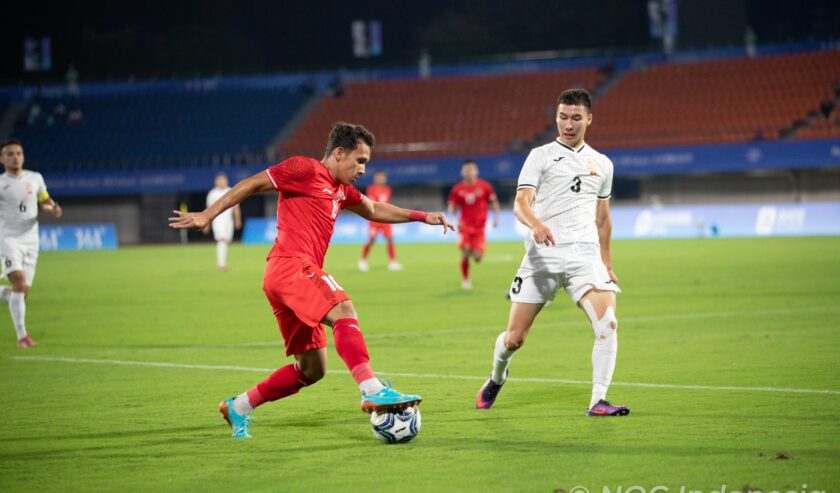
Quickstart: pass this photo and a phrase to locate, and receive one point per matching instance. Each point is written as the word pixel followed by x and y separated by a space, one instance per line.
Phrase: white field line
pixel 161 364
pixel 581 322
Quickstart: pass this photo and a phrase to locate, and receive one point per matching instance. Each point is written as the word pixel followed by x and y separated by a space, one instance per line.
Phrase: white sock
pixel 501 359
pixel 5 292
pixel 221 253
pixel 242 405
pixel 603 358
pixel 17 305
pixel 370 386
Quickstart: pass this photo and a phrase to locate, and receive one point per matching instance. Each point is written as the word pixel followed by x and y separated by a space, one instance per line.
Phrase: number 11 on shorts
pixel 332 283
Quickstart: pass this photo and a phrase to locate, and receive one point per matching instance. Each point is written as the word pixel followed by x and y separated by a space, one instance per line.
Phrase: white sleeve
pixel 209 198
pixel 42 188
pixel 531 172
pixel 605 192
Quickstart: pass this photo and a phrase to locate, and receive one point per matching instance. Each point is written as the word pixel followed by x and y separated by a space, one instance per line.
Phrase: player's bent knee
pixel 313 371
pixel 607 326
pixel 514 342
pixel 314 374
pixel 344 309
pixel 604 327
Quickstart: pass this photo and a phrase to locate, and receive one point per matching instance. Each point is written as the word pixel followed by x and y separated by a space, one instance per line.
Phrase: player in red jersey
pixel 471 197
pixel 379 191
pixel 301 294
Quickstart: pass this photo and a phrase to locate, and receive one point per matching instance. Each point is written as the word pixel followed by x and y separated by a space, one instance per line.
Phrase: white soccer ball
pixel 396 427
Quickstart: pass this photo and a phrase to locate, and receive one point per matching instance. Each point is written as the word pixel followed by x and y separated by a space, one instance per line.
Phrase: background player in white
pixel 563 198
pixel 22 192
pixel 224 223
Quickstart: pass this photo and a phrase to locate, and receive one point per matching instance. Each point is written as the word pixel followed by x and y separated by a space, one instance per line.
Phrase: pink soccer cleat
pixel 26 342
pixel 604 408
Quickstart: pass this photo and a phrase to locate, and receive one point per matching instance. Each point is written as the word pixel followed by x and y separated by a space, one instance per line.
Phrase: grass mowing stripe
pixel 163 364
pixel 567 323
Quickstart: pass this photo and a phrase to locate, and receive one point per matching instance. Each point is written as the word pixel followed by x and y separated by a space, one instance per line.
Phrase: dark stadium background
pixel 276 73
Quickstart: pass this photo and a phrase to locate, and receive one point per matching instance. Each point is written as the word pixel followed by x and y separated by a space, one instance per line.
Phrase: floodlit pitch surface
pixel 728 360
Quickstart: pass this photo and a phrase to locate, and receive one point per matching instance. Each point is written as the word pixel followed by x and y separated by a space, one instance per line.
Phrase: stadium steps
pixel 820 125
pixel 7 120
pixel 285 132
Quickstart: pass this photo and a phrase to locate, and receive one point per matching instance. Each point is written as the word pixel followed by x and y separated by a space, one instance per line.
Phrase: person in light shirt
pixel 563 198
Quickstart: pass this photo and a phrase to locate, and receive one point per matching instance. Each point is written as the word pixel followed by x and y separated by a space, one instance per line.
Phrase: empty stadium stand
pixel 823 127
pixel 715 101
pixel 140 130
pixel 446 116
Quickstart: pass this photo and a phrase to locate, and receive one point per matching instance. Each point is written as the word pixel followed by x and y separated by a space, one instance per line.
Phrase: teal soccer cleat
pixel 389 399
pixel 238 423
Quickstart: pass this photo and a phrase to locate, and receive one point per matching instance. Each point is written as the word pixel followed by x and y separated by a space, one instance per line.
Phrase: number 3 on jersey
pixel 576 185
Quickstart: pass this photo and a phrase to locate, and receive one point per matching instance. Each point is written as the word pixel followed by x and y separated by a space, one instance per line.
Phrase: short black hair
pixel 574 97
pixel 11 142
pixel 469 161
pixel 347 136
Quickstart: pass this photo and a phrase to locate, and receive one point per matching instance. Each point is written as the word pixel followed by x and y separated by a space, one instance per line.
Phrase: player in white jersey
pixel 22 193
pixel 563 198
pixel 224 223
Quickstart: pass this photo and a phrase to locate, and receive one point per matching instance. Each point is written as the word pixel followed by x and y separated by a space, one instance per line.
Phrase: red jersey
pixel 472 200
pixel 379 193
pixel 307 207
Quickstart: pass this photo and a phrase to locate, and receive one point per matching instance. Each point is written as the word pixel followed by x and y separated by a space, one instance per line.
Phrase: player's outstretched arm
pixel 241 191
pixel 525 214
pixel 604 223
pixel 382 212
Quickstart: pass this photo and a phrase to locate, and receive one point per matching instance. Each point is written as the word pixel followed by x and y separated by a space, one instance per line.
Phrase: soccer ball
pixel 396 427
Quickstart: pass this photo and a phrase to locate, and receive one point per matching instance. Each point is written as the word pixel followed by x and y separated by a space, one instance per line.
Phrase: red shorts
pixel 472 237
pixel 376 228
pixel 301 294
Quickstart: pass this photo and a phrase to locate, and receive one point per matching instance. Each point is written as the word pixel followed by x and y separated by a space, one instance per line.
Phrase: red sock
pixel 284 382
pixel 350 345
pixel 392 252
pixel 366 250
pixel 465 268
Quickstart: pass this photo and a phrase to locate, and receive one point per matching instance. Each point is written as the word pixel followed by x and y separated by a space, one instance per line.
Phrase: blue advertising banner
pixel 684 221
pixel 645 161
pixel 77 237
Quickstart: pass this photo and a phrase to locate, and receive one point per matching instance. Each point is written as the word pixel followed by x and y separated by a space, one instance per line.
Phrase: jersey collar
pixel 571 148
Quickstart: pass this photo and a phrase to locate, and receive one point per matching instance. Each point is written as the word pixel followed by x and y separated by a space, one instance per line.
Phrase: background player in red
pixel 301 294
pixel 379 191
pixel 471 197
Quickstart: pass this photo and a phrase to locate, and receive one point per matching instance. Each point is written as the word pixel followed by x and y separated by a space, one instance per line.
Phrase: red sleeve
pixel 293 175
pixel 453 198
pixel 491 194
pixel 352 196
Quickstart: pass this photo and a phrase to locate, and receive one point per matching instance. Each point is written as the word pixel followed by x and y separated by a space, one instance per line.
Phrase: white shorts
pixel 20 257
pixel 223 230
pixel 578 271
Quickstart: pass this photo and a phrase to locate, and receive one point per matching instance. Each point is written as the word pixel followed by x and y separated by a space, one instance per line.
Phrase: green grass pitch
pixel 739 335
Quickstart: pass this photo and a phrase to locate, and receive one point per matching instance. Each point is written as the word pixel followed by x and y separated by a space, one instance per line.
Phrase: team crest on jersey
pixel 341 194
pixel 590 165
pixel 29 188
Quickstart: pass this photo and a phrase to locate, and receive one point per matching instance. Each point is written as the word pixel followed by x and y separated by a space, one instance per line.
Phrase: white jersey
pixel 214 195
pixel 19 197
pixel 569 184
pixel 223 223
